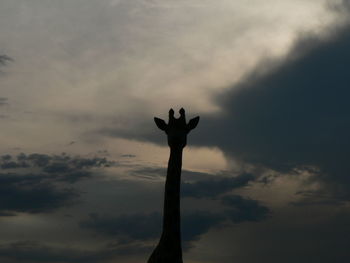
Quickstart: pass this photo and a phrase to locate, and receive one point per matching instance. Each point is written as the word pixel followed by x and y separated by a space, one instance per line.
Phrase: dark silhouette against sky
pixel 265 178
pixel 169 248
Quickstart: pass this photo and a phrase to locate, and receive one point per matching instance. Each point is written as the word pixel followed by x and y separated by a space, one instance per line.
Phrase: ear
pixel 193 123
pixel 160 123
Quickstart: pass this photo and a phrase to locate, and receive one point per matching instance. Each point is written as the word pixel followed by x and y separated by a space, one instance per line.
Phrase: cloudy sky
pixel 82 164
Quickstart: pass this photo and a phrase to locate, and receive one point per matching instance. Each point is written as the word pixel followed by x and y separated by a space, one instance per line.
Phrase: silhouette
pixel 169 248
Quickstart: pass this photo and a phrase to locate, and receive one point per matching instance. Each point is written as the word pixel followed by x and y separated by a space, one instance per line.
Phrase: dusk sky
pixel 82 163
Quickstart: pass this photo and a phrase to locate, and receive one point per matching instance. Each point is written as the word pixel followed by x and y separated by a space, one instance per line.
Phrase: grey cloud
pixel 243 209
pixel 198 184
pixel 300 235
pixel 341 7
pixel 149 172
pixel 198 223
pixel 152 172
pixel 31 251
pixel 30 194
pixel 136 226
pixel 13 165
pixel 190 175
pixel 7 214
pixel 6 157
pixel 296 115
pixel 4 59
pixel 31 183
pixel 59 167
pixel 214 187
pixel 286 114
pixel 143 227
pixel 147 226
pixel 325 196
pixel 74 162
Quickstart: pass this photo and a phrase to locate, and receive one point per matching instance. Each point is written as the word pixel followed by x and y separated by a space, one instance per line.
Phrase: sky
pixel 82 164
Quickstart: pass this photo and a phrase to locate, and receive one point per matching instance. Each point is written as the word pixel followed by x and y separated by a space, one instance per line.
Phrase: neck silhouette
pixel 169 248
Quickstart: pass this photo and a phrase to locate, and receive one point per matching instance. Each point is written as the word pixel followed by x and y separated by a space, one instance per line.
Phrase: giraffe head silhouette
pixel 177 129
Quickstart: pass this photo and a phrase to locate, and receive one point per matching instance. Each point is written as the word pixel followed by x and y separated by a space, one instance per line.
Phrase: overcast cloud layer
pixel 82 164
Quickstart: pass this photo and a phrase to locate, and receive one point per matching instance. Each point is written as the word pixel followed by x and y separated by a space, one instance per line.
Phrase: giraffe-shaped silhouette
pixel 169 248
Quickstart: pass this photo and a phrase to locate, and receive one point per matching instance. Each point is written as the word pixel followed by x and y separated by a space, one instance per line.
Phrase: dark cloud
pixel 198 184
pixel 33 183
pixel 30 194
pixel 286 114
pixel 194 224
pixel 214 187
pixel 243 209
pixel 294 234
pixel 7 214
pixel 4 59
pixel 59 167
pixel 135 226
pixel 70 162
pixel 148 226
pixel 295 115
pixel 33 252
pixel 197 223
pixel 342 7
